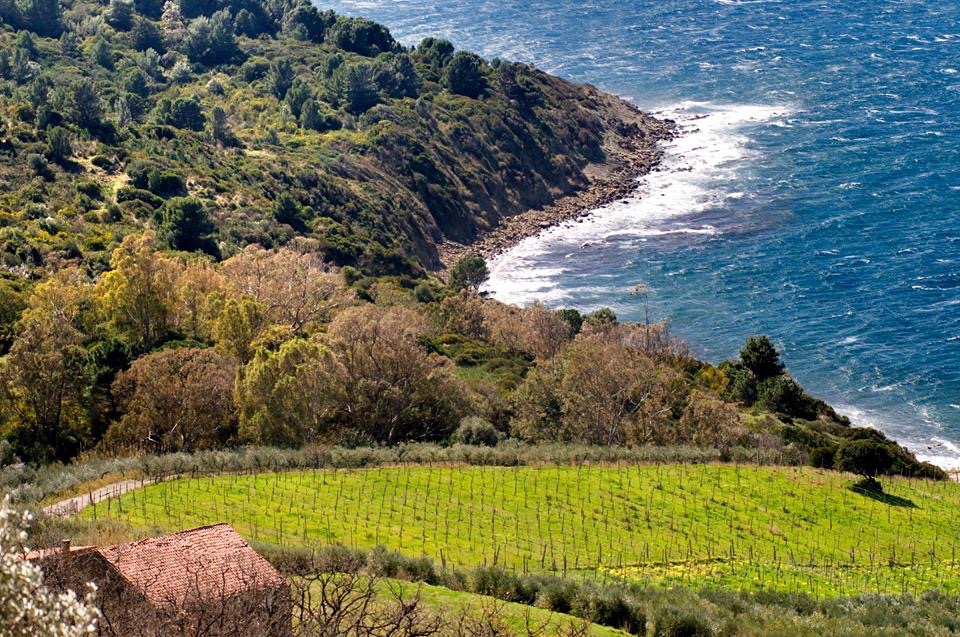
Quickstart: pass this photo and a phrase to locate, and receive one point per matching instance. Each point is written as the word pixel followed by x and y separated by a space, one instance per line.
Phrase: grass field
pixel 739 527
pixel 515 616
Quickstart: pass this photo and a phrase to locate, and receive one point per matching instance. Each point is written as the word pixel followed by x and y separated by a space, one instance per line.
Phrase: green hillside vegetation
pixel 165 352
pixel 222 124
pixel 743 528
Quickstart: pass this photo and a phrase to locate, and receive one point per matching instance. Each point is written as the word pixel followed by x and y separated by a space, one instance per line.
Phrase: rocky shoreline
pixel 628 162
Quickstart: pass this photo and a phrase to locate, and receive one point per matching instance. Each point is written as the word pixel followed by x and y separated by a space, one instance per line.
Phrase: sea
pixel 813 194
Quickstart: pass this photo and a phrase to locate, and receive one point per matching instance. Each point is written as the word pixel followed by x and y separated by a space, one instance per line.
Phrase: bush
pixel 183 112
pixel 464 75
pixel 186 225
pixel 254 69
pixel 866 457
pixel 782 394
pixel 126 193
pixel 673 621
pixel 469 272
pixel 607 607
pixel 823 457
pixel 477 431
pixel 362 36
pixel 59 145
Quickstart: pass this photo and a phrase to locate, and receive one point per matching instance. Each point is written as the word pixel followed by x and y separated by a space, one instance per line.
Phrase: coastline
pixel 629 159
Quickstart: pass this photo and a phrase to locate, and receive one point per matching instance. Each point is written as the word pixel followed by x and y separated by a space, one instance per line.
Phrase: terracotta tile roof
pixel 191 566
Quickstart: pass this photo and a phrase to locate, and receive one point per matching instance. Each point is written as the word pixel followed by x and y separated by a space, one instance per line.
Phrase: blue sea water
pixel 814 195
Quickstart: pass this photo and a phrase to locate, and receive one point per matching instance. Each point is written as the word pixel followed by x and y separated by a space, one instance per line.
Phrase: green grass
pixel 515 616
pixel 792 529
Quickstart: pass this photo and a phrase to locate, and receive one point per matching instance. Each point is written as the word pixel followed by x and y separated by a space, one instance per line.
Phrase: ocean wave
pixel 698 170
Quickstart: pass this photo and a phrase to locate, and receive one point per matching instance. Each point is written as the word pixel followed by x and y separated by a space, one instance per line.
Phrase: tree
pixel 152 9
pixel 103 54
pixel 464 75
pixel 469 272
pixel 710 422
pixel 760 356
pixel 312 119
pixel 434 54
pixel 145 35
pixel 86 109
pixel 183 112
pixel 359 35
pixel 12 303
pixel 297 95
pixel 280 77
pixel 238 326
pixel 536 331
pixel 211 40
pixel 41 379
pixel 396 76
pixel 43 17
pixel 69 44
pixel 27 607
pixel 175 400
pixel 59 145
pixel 120 15
pixel 172 24
pixel 288 210
pixel 137 296
pixel 287 397
pixel 351 87
pixel 220 128
pixel 10 13
pixel 297 288
pixel 393 389
pixel 600 391
pixel 186 225
pixel 866 457
pixel 305 22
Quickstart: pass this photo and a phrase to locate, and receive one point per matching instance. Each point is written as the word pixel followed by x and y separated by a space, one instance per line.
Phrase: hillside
pixel 279 121
pixel 742 528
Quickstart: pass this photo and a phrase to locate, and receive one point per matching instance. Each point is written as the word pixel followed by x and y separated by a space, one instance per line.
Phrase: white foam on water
pixel 698 172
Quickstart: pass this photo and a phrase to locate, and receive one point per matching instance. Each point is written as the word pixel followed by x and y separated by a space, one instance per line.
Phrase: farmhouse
pixel 205 582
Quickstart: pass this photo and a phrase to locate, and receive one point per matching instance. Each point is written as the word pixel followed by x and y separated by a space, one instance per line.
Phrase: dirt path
pixel 76 504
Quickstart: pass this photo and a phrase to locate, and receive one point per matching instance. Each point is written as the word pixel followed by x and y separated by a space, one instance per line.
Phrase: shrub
pixel 38 165
pixel 477 431
pixel 781 394
pixel 469 272
pixel 741 383
pixel 673 621
pixel 186 225
pixel 59 145
pixel 183 112
pixel 254 69
pixel 823 457
pixel 359 35
pixel 126 193
pixel 423 293
pixel 464 75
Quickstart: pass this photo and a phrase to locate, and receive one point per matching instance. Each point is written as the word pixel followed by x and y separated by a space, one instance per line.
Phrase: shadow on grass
pixel 872 489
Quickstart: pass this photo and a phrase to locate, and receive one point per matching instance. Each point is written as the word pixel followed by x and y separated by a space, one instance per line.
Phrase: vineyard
pixel 739 527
